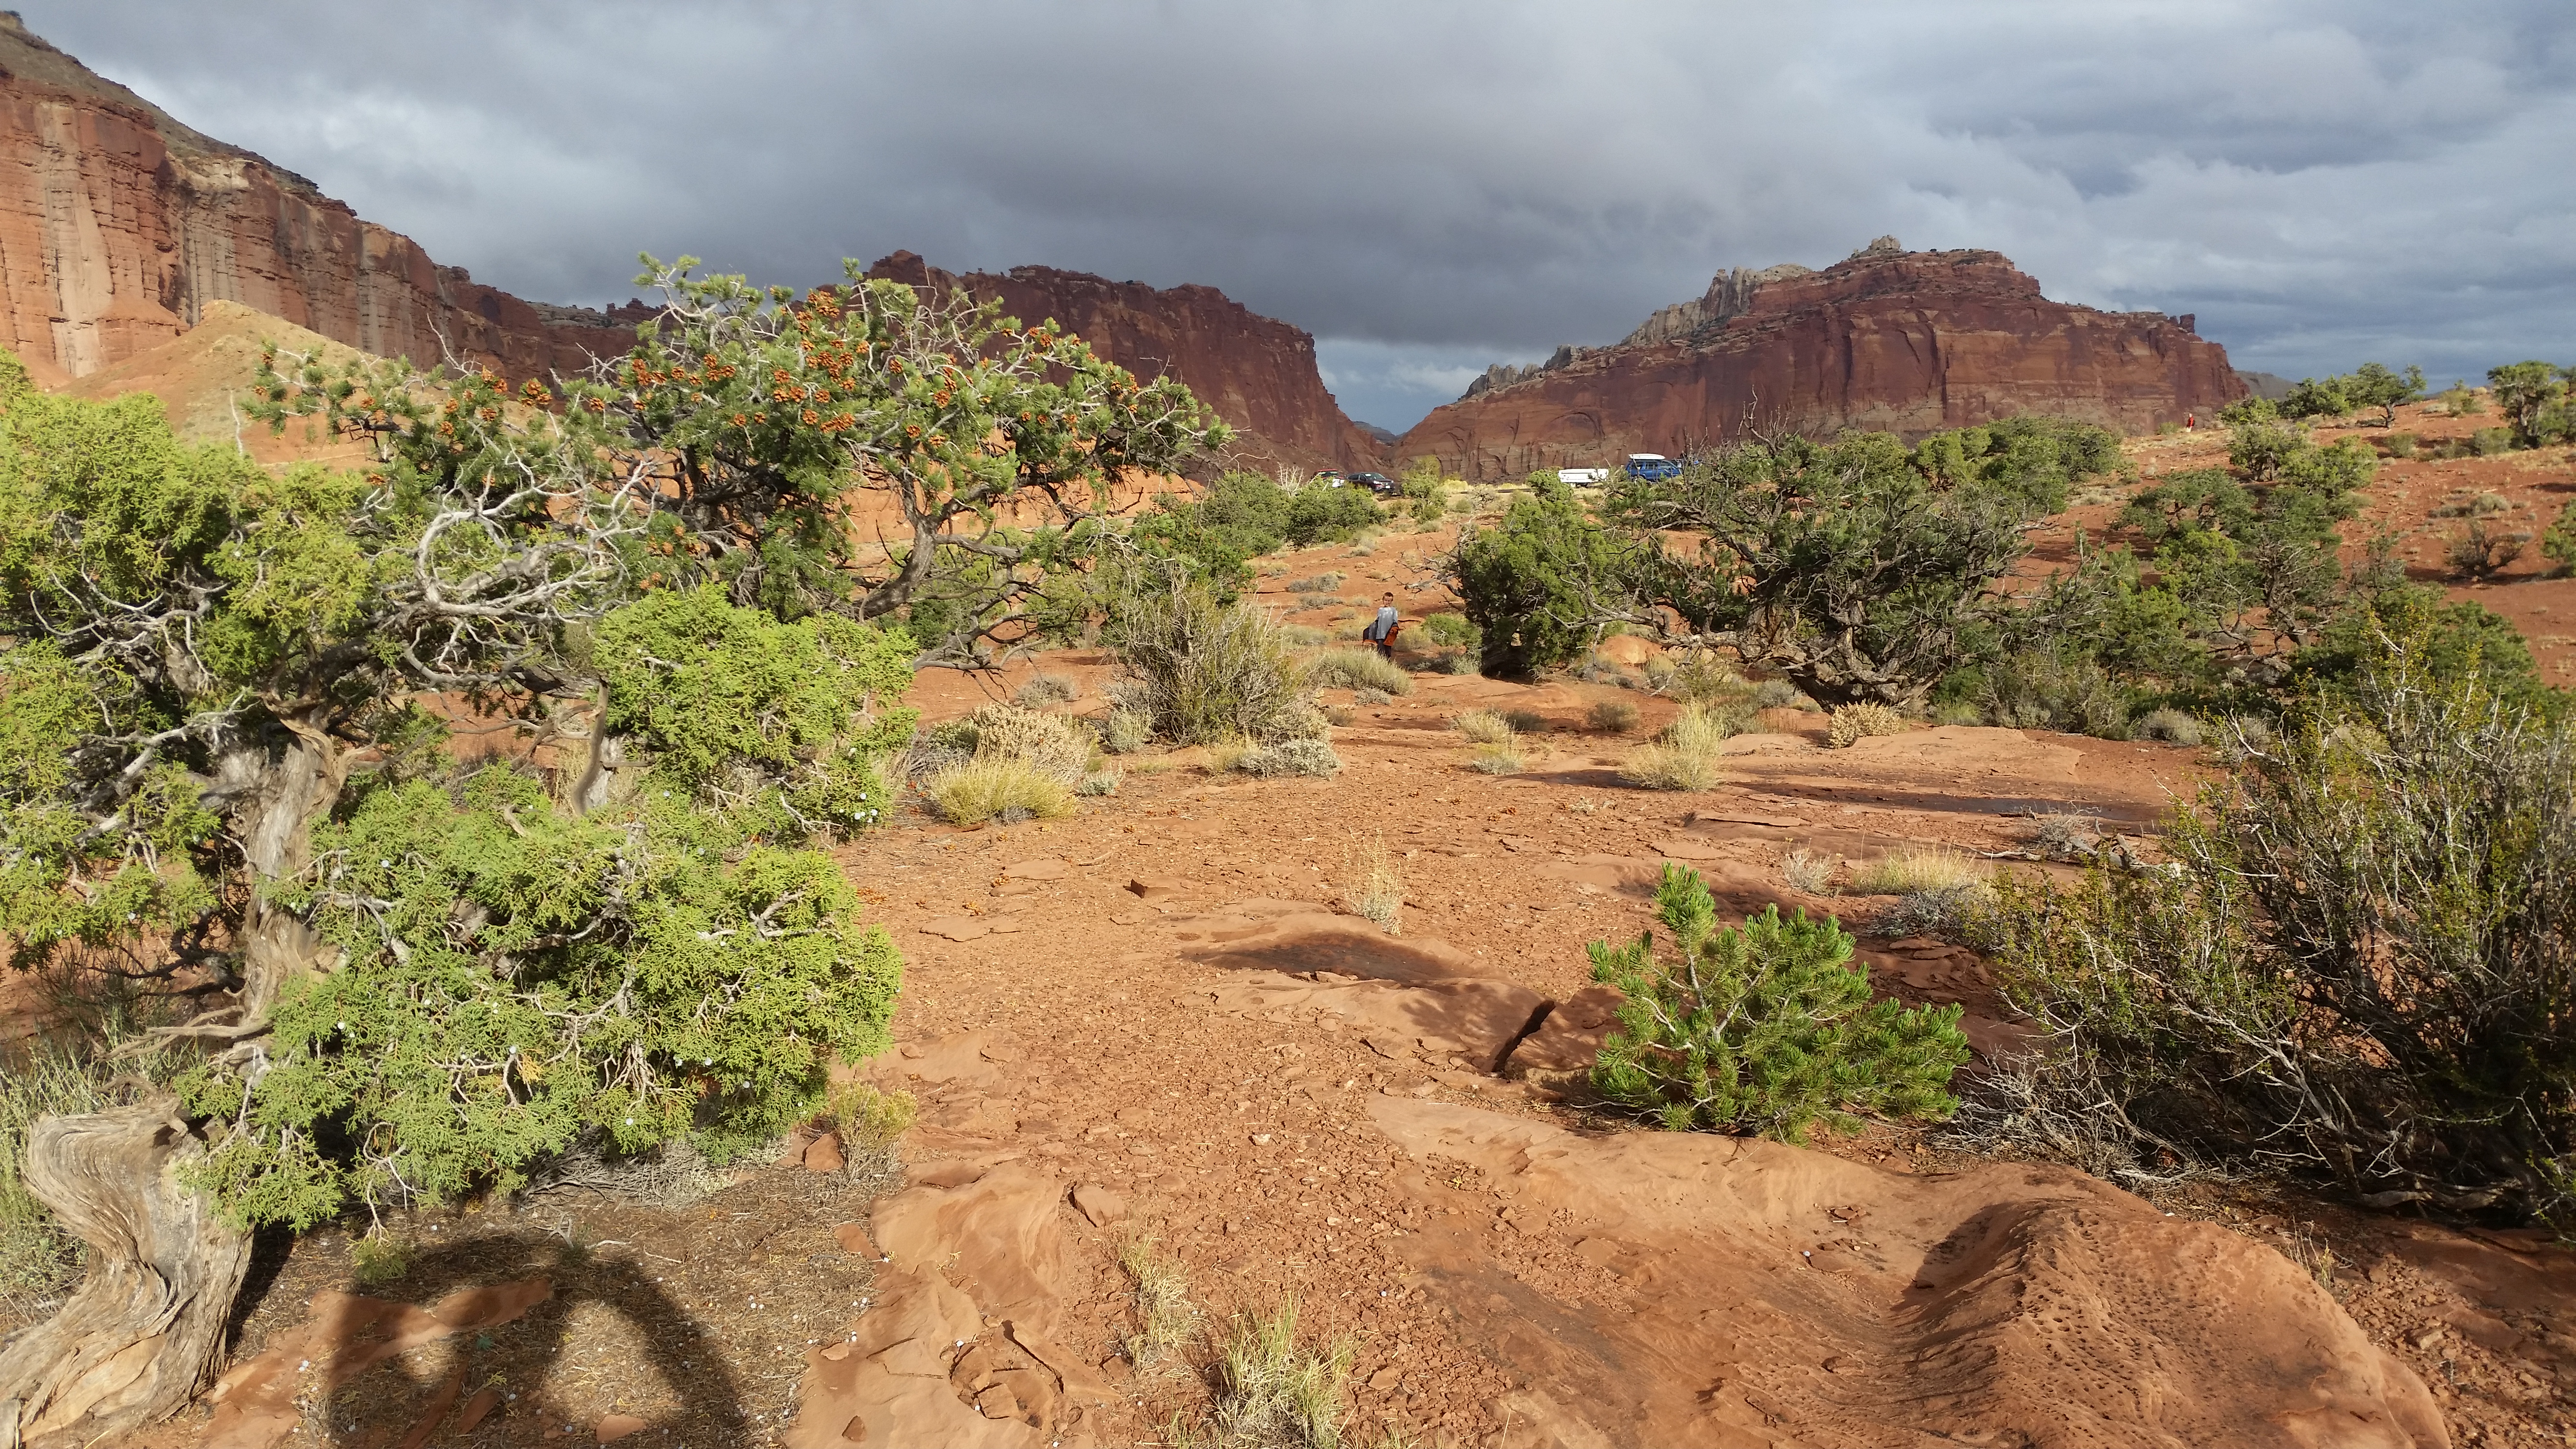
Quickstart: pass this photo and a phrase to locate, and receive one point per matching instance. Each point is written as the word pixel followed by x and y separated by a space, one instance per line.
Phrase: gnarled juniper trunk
pixel 142 1333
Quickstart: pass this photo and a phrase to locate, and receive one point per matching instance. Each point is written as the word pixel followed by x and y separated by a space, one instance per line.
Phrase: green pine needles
pixel 1764 1028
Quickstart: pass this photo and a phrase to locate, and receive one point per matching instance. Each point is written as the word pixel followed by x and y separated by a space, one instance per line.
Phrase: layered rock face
pixel 119 226
pixel 1891 340
pixel 1258 373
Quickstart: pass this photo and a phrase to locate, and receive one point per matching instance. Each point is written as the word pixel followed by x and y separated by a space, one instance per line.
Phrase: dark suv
pixel 1377 483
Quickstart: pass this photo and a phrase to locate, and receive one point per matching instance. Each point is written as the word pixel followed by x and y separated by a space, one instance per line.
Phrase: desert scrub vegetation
pixel 1159 1295
pixel 868 1117
pixel 1375 891
pixel 2356 968
pixel 1767 1028
pixel 1357 669
pixel 1611 716
pixel 1272 1391
pixel 1051 744
pixel 1684 756
pixel 1856 722
pixel 1202 671
pixel 218 754
pixel 1937 889
pixel 1532 583
pixel 1498 757
pixel 984 791
pixel 1483 727
pixel 1045 689
pixel 1288 757
pixel 1807 871
pixel 1124 731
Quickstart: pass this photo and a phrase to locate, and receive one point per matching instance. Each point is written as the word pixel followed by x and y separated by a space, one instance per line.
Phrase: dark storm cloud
pixel 1429 188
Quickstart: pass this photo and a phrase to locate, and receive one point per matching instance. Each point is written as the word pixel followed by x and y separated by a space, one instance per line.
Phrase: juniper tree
pixel 220 705
pixel 1765 1028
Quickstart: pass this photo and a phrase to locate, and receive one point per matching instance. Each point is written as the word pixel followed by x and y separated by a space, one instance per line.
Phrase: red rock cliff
pixel 1258 373
pixel 118 225
pixel 1904 342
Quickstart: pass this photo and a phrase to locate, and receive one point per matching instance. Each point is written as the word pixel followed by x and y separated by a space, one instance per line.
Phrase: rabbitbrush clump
pixel 1202 671
pixel 1765 1028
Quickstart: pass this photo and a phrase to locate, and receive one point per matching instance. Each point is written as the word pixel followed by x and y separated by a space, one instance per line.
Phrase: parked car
pixel 1582 477
pixel 1653 466
pixel 1377 483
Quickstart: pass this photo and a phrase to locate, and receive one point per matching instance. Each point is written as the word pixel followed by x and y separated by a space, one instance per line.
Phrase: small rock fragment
pixel 1103 1207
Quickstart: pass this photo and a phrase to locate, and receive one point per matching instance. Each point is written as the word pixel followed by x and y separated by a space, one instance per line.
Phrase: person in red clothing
pixel 1383 629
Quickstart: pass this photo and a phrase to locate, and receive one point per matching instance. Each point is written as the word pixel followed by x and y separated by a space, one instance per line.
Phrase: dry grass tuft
pixel 1357 669
pixel 1856 722
pixel 1483 727
pixel 1045 689
pixel 1807 871
pixel 1376 891
pixel 1911 868
pixel 1504 758
pixel 1685 756
pixel 1275 1394
pixel 1612 716
pixel 983 790
pixel 1162 1302
pixel 1050 743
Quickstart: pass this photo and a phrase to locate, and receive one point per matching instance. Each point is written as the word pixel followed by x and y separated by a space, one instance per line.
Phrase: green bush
pixel 2534 399
pixel 1765 1028
pixel 1202 671
pixel 2360 966
pixel 1611 716
pixel 1534 584
pixel 2491 442
pixel 1329 515
pixel 1856 722
pixel 1447 630
pixel 2399 445
pixel 2559 542
pixel 2039 690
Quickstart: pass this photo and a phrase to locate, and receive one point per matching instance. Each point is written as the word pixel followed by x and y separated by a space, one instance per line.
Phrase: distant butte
pixel 119 226
pixel 1890 340
pixel 1257 372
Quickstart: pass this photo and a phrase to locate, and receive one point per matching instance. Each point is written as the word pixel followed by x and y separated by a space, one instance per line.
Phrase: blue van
pixel 1653 466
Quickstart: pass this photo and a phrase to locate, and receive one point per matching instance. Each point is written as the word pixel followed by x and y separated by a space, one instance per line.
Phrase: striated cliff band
pixel 1907 342
pixel 119 226
pixel 1257 372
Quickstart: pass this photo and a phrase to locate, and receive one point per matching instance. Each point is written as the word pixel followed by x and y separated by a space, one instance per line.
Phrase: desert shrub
pixel 1932 911
pixel 1098 782
pixel 379 1258
pixel 1911 868
pixel 1366 696
pixel 1611 716
pixel 1124 731
pixel 1203 671
pixel 2310 398
pixel 2167 724
pixel 1765 1028
pixel 1851 568
pixel 2249 409
pixel 1779 694
pixel 2459 400
pixel 1534 584
pixel 1327 515
pixel 2533 397
pixel 1323 583
pixel 2558 544
pixel 2067 835
pixel 869 1117
pixel 2399 445
pixel 1357 669
pixel 1050 743
pixel 2357 967
pixel 1484 727
pixel 1000 789
pixel 1045 689
pixel 2490 442
pixel 1497 757
pixel 1376 890
pixel 1289 757
pixel 1856 722
pixel 2481 550
pixel 1447 630
pixel 1525 721
pixel 2046 690
pixel 1685 756
pixel 1807 871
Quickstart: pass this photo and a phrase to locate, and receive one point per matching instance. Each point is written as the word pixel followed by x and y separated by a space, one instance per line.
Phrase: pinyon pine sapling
pixel 1764 1028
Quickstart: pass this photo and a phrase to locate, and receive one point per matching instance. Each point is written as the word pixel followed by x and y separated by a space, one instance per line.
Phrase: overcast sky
pixel 1432 187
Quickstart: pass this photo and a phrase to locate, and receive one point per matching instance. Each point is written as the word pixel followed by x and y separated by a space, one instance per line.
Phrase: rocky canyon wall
pixel 119 226
pixel 1257 372
pixel 1904 342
